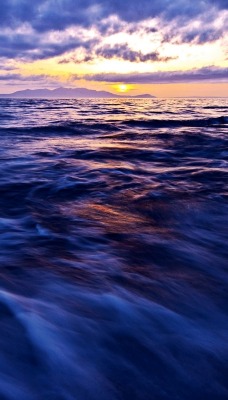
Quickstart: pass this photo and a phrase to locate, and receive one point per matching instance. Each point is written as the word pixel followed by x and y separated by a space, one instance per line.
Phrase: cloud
pixel 121 51
pixel 39 29
pixel 9 77
pixel 207 29
pixel 32 46
pixel 5 67
pixel 125 53
pixel 201 36
pixel 207 74
pixel 46 15
pixel 211 73
pixel 20 77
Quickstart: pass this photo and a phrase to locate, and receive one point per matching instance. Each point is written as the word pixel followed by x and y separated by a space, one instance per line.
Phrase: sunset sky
pixel 162 47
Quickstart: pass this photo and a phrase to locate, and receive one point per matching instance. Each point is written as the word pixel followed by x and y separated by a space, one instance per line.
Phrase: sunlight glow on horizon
pixel 122 88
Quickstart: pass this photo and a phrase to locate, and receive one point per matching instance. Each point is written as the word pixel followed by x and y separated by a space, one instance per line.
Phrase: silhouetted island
pixel 69 93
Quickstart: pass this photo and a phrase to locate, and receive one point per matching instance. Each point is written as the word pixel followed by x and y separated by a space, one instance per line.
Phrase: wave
pixel 70 337
pixel 88 127
pixel 171 123
pixel 215 107
pixel 113 250
pixel 62 128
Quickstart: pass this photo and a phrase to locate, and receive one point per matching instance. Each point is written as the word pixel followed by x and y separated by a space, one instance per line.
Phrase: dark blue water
pixel 113 249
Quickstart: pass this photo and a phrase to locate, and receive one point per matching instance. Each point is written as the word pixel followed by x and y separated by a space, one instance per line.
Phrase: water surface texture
pixel 113 249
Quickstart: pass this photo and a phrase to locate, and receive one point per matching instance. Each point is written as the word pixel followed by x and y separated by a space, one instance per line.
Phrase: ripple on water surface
pixel 113 249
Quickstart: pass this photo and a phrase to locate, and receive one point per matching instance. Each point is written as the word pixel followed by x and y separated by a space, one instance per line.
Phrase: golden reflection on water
pixel 122 219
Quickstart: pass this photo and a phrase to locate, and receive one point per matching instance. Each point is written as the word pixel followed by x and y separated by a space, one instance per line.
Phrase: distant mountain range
pixel 67 93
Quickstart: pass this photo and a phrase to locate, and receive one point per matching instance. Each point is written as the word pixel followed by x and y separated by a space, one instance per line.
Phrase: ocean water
pixel 113 249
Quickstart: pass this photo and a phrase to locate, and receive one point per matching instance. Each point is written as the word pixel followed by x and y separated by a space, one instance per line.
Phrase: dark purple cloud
pixel 201 36
pixel 125 53
pixel 44 17
pixel 5 67
pixel 19 77
pixel 9 77
pixel 34 47
pixel 206 74
pixel 121 51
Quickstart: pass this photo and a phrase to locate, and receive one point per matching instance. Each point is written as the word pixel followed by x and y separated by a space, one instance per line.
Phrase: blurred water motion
pixel 113 238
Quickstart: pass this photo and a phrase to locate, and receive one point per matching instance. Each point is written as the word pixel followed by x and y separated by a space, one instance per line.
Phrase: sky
pixel 168 48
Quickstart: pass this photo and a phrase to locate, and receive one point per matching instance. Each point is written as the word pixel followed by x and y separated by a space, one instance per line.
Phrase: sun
pixel 122 88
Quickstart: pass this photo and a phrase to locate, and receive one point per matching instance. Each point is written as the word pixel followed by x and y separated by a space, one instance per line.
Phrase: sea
pixel 113 249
